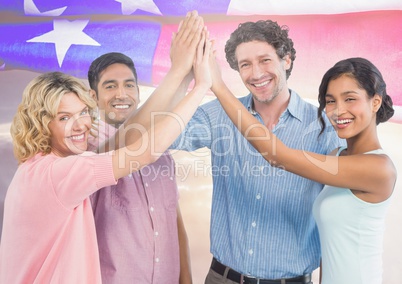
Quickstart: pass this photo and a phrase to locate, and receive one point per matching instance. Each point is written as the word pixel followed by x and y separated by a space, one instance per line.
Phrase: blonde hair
pixel 39 105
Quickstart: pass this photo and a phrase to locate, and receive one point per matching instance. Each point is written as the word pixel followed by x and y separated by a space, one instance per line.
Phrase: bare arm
pixel 182 53
pixel 185 263
pixel 172 88
pixel 368 173
pixel 167 127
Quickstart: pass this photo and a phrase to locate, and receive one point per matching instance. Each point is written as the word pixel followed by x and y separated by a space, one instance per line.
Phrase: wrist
pixel 178 71
pixel 174 77
pixel 218 87
pixel 201 88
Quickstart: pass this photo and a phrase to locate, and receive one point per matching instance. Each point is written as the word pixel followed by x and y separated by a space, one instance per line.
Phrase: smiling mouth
pixel 259 85
pixel 127 106
pixel 77 137
pixel 343 121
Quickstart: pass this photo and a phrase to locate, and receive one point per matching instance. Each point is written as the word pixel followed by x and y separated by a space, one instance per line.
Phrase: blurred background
pixel 66 35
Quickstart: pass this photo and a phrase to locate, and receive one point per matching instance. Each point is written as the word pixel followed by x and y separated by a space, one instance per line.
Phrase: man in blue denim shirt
pixel 261 223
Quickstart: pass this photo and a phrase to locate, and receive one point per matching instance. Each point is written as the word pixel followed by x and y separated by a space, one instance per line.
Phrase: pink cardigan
pixel 48 231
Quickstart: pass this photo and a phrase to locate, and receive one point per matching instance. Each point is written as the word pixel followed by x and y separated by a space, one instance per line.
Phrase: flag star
pixel 130 6
pixel 31 9
pixel 66 33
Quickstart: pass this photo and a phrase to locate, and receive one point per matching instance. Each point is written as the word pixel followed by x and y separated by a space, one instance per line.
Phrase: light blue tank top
pixel 351 235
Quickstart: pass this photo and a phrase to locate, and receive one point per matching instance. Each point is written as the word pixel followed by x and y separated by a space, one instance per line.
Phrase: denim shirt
pixel 261 219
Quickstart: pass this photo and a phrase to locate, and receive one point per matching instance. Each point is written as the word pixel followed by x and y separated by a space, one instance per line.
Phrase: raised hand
pixel 201 68
pixel 184 43
pixel 216 74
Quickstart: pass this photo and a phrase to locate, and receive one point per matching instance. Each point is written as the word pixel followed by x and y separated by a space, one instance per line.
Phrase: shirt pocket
pixel 162 191
pixel 127 195
pixel 160 182
pixel 170 194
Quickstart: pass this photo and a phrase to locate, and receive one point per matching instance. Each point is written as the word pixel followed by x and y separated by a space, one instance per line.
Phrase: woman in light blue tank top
pixel 360 178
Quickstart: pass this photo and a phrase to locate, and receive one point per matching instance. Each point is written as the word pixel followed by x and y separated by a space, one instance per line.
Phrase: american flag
pixel 66 35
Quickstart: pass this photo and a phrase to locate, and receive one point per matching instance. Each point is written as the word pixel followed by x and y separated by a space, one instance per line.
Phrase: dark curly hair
pixel 267 31
pixel 368 78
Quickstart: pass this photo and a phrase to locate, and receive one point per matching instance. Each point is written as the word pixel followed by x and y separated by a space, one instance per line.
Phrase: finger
pixel 213 50
pixel 187 24
pixel 191 30
pixel 200 47
pixel 172 43
pixel 180 24
pixel 207 45
pixel 213 42
pixel 184 22
pixel 195 34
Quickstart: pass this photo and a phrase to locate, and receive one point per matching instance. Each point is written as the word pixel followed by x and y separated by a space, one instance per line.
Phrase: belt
pixel 236 276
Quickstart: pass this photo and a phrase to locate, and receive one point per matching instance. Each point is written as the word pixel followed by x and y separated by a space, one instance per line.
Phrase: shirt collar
pixel 250 104
pixel 293 107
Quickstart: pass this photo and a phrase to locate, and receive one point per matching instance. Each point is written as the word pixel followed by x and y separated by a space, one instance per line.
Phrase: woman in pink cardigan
pixel 48 232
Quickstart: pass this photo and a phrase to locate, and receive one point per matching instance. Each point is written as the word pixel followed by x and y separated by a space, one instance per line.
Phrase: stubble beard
pixel 268 100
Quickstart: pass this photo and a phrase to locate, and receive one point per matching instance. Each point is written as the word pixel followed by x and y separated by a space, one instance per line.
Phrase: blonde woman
pixel 48 232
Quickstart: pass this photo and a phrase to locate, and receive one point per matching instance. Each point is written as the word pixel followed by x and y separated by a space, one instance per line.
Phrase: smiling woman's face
pixel 349 108
pixel 71 126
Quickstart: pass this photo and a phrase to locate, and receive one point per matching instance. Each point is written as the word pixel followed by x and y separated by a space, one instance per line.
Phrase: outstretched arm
pixel 182 54
pixel 167 126
pixel 374 174
pixel 172 88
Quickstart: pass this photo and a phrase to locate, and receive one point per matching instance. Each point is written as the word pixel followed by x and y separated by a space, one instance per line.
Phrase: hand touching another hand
pixel 217 81
pixel 185 42
pixel 201 65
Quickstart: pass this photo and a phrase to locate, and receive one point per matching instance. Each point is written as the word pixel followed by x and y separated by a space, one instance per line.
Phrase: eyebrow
pixel 348 92
pixel 115 81
pixel 265 55
pixel 66 112
pixel 343 93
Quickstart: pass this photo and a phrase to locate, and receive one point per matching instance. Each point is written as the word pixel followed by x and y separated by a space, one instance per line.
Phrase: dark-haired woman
pixel 360 178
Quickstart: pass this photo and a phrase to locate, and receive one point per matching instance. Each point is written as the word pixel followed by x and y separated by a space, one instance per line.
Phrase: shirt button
pixel 146 184
pixel 258 196
pixel 171 178
pixel 152 209
pixel 156 234
pixel 250 251
pixel 157 259
pixel 254 224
